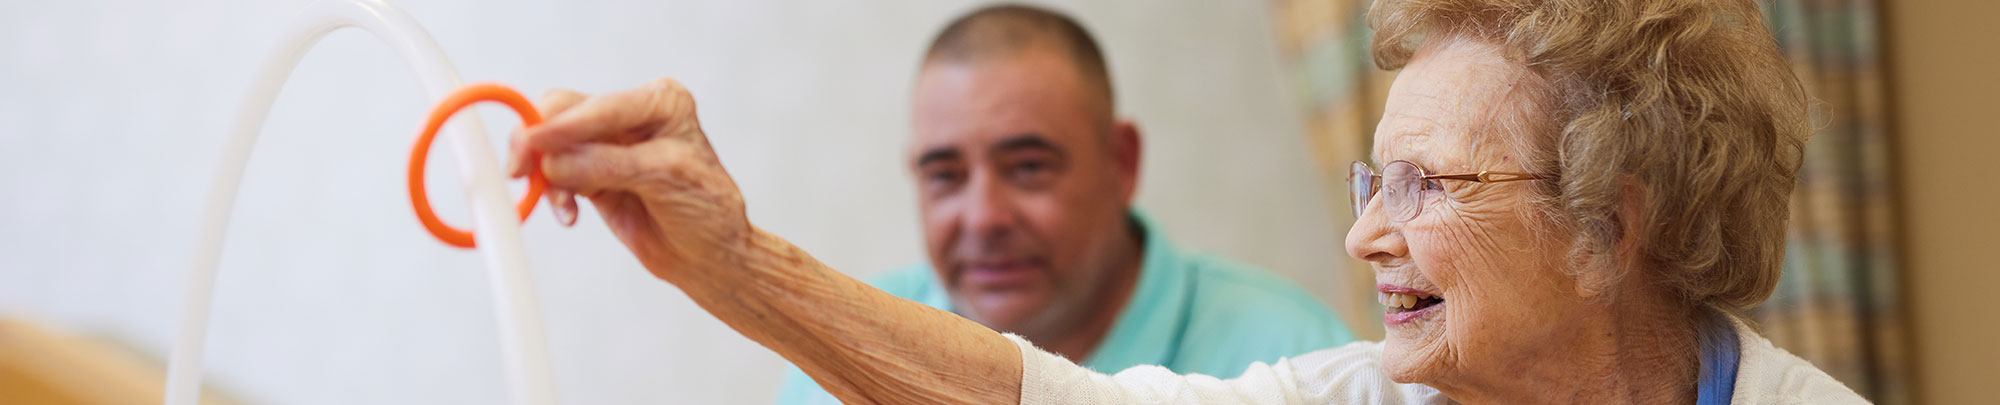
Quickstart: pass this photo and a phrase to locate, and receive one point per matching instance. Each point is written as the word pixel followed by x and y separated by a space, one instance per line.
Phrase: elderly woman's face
pixel 1504 296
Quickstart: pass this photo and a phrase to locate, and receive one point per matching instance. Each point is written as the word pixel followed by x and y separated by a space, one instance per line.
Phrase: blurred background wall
pixel 1944 71
pixel 112 112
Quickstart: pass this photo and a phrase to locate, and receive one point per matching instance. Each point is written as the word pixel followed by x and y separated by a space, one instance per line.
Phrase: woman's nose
pixel 1372 238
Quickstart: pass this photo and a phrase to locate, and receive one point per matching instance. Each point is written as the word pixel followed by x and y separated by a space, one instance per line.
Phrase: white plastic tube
pixel 521 333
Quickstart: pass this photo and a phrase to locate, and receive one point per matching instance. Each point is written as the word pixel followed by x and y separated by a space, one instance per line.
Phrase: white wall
pixel 112 113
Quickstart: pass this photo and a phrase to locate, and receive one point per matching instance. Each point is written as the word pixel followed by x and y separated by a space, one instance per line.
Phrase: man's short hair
pixel 1003 30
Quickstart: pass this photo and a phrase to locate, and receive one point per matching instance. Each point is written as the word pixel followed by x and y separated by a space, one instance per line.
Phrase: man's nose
pixel 991 211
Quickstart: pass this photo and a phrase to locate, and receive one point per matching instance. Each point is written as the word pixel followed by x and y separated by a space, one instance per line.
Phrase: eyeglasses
pixel 1401 180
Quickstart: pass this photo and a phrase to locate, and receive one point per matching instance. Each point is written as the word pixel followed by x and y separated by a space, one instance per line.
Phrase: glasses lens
pixel 1360 186
pixel 1400 180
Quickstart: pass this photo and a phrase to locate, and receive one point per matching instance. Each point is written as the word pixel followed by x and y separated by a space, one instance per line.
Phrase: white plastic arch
pixel 521 333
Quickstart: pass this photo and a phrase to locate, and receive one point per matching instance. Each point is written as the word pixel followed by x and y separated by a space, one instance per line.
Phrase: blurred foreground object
pixel 42 366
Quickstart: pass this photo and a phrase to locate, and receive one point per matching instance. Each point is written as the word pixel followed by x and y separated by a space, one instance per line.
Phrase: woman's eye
pixel 1432 185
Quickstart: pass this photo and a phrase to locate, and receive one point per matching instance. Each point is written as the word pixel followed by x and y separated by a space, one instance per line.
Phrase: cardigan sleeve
pixel 1349 374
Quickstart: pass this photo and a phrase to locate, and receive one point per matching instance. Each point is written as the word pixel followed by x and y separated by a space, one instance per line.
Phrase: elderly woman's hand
pixel 641 158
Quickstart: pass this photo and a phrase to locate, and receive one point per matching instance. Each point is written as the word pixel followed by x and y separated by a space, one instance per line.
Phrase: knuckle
pixel 666 84
pixel 555 99
pixel 560 94
pixel 672 96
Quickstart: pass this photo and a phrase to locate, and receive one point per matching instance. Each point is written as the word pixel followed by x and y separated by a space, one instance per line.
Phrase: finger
pixel 592 167
pixel 662 102
pixel 623 213
pixel 515 155
pixel 568 212
pixel 553 102
pixel 562 203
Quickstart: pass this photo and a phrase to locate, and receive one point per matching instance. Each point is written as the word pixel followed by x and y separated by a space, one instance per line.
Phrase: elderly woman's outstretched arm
pixel 642 160
pixel 866 346
pixel 859 343
pixel 640 157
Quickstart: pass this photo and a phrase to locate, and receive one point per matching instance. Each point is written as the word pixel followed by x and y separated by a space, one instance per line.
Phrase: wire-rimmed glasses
pixel 1400 182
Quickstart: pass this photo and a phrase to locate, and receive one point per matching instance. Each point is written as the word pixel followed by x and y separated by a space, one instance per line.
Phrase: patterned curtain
pixel 1324 44
pixel 1837 304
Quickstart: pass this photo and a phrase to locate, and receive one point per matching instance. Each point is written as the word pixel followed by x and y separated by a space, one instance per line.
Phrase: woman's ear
pixel 1605 270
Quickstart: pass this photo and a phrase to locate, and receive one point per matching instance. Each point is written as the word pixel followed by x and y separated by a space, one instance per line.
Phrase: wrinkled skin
pixel 1508 302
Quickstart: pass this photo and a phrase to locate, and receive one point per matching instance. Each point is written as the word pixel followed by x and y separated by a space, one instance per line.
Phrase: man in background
pixel 1025 180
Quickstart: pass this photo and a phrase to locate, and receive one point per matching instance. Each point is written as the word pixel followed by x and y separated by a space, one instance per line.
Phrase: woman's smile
pixel 1406 304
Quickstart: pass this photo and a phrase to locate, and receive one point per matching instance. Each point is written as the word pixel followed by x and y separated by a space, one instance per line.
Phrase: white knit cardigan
pixel 1352 374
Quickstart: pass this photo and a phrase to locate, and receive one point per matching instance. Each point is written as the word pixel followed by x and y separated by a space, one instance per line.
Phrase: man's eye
pixel 1432 185
pixel 944 177
pixel 1031 167
pixel 1031 172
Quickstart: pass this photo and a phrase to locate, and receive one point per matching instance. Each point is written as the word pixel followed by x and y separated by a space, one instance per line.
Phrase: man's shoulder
pixel 1237 311
pixel 910 282
pixel 1231 288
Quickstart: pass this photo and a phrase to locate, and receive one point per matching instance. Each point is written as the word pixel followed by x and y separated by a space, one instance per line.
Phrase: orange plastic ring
pixel 458 100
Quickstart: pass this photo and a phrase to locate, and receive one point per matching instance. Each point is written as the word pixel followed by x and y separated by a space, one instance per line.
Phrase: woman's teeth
pixel 1404 301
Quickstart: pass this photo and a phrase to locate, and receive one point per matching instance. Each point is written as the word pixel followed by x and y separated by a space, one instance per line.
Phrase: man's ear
pixel 1125 148
pixel 1605 273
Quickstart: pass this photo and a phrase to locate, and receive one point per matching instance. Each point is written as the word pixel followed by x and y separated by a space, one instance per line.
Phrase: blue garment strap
pixel 1720 355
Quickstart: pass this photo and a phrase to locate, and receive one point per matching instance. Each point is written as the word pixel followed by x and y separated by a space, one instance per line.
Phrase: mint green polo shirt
pixel 1192 313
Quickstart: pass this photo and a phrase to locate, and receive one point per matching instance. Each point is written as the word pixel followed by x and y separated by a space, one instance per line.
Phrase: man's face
pixel 1023 182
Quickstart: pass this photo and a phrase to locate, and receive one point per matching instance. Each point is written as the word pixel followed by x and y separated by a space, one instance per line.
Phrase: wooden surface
pixel 42 366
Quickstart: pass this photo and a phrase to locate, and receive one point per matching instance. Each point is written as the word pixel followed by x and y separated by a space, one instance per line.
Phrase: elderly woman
pixel 1574 200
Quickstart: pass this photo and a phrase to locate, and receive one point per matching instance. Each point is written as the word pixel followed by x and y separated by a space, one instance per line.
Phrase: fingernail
pixel 566 214
pixel 562 203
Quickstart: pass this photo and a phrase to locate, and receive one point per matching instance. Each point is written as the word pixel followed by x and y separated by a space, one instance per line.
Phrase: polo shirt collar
pixel 1148 328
